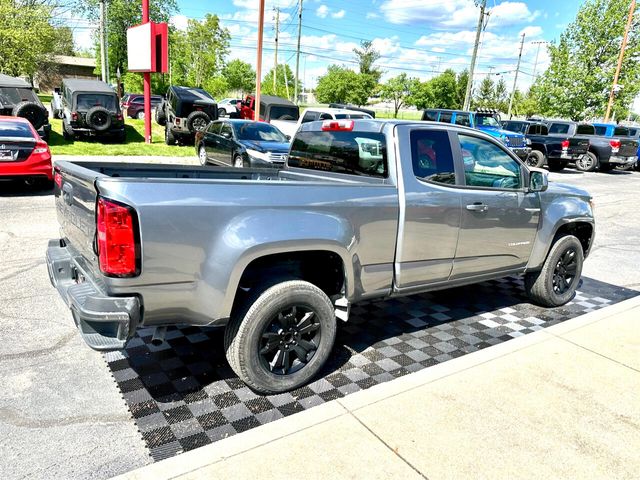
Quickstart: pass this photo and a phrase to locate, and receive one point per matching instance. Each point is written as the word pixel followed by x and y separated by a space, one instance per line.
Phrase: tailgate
pixel 75 198
pixel 628 147
pixel 578 146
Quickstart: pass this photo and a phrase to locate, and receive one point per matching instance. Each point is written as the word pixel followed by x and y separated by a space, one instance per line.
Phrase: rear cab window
pixel 585 130
pixel 601 130
pixel 431 156
pixel 356 153
pixel 559 128
pixel 621 132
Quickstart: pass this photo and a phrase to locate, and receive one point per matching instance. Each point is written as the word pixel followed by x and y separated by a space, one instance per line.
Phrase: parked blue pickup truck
pixel 487 121
pixel 611 130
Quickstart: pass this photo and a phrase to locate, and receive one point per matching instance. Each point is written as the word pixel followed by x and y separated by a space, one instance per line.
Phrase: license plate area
pixel 7 155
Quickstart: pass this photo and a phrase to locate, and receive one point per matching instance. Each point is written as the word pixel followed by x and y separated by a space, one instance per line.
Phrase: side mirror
pixel 538 180
pixel 226 134
pixel 288 137
pixel 57 90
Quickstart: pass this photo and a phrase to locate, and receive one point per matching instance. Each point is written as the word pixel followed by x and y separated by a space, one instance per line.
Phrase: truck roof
pixel 332 110
pixel 83 85
pixel 270 99
pixel 7 81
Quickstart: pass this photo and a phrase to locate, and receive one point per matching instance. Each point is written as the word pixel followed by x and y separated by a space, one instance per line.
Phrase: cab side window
pixel 432 157
pixel 463 119
pixel 309 117
pixel 225 131
pixel 445 117
pixel 214 127
pixel 487 165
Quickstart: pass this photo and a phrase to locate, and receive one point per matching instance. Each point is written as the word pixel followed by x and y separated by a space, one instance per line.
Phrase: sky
pixel 419 37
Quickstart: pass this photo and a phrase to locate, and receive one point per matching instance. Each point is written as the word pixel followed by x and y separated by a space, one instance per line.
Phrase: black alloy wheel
pixel 290 340
pixel 565 271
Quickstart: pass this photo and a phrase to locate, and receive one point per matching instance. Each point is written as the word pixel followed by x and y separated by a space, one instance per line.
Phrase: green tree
pixel 123 14
pixel 207 45
pixel 583 63
pixel 461 87
pixel 240 76
pixel 285 82
pixel 367 56
pixel 342 85
pixel 397 90
pixel 27 38
pixel 445 89
pixel 421 95
pixel 501 96
pixel 485 96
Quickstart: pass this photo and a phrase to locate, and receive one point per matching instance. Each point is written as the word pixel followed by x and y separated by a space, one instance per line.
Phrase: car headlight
pixel 258 155
pixel 528 141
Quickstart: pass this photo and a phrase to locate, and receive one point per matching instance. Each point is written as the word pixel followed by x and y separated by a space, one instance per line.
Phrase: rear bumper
pixel 623 160
pixel 31 167
pixel 91 132
pixel 104 322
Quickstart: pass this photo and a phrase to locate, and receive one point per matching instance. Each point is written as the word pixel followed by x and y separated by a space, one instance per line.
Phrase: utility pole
pixel 103 41
pixel 614 87
pixel 535 65
pixel 275 62
pixel 256 115
pixel 467 95
pixel 515 80
pixel 298 53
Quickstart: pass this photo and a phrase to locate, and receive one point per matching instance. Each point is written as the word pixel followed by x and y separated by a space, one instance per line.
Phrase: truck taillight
pixel 337 125
pixel 74 116
pixel 117 246
pixel 565 144
pixel 615 144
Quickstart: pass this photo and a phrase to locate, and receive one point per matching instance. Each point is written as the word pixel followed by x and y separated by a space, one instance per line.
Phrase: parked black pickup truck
pixel 553 151
pixel 605 153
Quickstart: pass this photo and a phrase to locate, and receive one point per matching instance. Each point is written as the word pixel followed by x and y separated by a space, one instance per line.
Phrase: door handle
pixel 478 207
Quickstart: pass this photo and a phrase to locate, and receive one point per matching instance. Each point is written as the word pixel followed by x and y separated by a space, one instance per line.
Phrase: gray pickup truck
pixel 365 209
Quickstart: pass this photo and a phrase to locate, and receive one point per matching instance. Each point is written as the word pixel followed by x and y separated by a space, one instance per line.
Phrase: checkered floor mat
pixel 183 394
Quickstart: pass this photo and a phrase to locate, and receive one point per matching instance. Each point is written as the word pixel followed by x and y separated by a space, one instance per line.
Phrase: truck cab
pixel 487 121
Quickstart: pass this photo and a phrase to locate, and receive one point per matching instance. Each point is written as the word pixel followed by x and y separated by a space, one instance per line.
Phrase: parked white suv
pixel 313 114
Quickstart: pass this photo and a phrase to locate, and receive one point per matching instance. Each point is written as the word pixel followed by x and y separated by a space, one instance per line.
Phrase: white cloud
pixel 531 31
pixel 179 21
pixel 511 13
pixel 372 15
pixel 322 11
pixel 338 14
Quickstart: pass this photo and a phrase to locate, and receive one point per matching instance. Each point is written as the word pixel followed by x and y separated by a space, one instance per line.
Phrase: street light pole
pixel 515 80
pixel 535 65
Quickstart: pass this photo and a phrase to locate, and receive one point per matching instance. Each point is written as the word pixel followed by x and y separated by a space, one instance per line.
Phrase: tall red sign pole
pixel 147 83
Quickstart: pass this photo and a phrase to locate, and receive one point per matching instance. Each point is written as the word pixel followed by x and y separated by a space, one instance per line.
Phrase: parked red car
pixel 134 105
pixel 23 154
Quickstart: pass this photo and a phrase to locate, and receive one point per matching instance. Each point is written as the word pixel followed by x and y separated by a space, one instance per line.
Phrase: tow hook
pixel 158 336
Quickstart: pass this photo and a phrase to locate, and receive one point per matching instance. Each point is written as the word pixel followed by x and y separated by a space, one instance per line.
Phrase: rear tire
pixel 587 163
pixel 556 283
pixel 140 115
pixel 294 322
pixel 202 155
pixel 67 132
pixel 169 137
pixel 161 116
pixel 238 162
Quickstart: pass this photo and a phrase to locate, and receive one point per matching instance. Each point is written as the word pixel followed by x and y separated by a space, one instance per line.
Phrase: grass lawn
pixel 134 145
pixel 402 115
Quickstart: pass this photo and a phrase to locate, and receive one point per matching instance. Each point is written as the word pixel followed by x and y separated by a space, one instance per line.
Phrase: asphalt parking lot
pixel 69 412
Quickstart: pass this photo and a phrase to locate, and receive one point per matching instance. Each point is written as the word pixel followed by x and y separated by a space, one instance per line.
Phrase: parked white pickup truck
pixel 289 127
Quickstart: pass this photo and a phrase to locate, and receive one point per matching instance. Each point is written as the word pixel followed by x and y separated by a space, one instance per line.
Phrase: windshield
pixel 519 127
pixel 13 96
pixel 85 101
pixel 259 132
pixel 15 129
pixel 486 121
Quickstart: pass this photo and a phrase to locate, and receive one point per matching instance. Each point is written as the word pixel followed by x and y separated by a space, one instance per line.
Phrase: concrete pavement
pixel 558 403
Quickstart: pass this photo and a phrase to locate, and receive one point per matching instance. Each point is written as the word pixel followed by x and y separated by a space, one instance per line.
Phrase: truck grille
pixel 277 157
pixel 516 142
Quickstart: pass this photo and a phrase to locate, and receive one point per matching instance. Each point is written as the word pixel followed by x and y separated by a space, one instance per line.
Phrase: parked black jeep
pixel 18 99
pixel 90 107
pixel 184 112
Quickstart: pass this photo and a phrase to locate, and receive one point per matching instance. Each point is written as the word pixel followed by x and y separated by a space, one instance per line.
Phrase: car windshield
pixel 15 129
pixel 13 95
pixel 486 121
pixel 85 101
pixel 519 127
pixel 259 132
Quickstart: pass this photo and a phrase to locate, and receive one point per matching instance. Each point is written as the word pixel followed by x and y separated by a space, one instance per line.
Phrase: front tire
pixel 169 137
pixel 535 159
pixel 282 337
pixel 556 283
pixel 238 161
pixel 140 115
pixel 587 163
